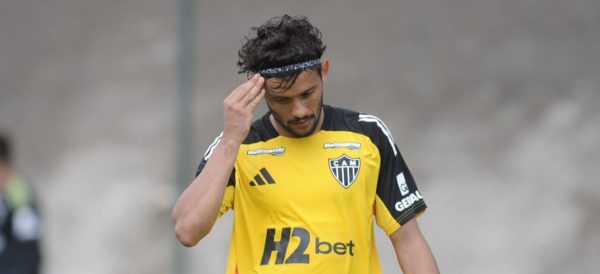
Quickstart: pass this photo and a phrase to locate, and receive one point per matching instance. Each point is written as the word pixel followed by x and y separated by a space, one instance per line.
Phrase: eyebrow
pixel 276 95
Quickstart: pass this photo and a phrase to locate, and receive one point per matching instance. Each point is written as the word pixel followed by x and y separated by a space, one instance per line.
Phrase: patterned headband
pixel 288 68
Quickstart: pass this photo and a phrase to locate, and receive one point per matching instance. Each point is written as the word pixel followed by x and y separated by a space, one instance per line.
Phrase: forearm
pixel 420 260
pixel 198 206
pixel 413 252
pixel 196 210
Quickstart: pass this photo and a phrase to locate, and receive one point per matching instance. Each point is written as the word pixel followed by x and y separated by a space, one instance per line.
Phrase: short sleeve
pixel 227 202
pixel 398 199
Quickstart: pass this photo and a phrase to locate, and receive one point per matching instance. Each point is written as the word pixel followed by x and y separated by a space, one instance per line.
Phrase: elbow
pixel 186 241
pixel 185 237
pixel 188 236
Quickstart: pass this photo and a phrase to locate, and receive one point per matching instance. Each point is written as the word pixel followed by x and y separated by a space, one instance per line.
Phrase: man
pixel 305 180
pixel 19 220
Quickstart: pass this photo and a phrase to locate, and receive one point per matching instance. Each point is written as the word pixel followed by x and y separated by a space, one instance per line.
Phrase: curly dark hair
pixel 279 42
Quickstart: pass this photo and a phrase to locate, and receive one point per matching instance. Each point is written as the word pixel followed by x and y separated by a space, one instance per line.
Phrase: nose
pixel 299 109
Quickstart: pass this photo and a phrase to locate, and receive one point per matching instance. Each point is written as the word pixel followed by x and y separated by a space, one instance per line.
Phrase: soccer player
pixel 306 179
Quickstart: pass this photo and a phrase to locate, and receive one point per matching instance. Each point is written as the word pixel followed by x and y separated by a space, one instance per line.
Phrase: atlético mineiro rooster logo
pixel 345 169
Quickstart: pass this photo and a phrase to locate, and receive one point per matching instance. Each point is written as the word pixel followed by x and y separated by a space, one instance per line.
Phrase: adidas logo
pixel 262 180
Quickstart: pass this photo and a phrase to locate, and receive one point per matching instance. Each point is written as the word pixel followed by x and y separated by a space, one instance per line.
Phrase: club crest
pixel 344 169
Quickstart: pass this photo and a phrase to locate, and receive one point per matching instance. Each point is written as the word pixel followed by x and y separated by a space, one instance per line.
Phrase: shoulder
pixel 346 119
pixel 362 123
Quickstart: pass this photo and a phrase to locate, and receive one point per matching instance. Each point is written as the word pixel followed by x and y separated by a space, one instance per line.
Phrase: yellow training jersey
pixel 306 205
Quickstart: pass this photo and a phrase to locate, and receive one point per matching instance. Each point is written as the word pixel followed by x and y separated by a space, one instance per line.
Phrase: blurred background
pixel 493 103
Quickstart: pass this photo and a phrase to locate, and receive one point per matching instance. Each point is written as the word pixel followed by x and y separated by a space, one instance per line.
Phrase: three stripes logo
pixel 344 169
pixel 259 180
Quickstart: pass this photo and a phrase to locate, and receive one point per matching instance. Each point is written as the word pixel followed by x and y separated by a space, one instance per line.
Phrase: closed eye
pixel 281 100
pixel 307 93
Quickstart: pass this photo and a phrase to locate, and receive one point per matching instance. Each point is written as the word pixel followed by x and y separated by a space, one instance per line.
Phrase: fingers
pixel 238 93
pixel 254 102
pixel 253 92
pixel 239 106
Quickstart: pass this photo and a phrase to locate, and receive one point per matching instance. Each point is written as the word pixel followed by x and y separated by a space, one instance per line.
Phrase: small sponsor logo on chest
pixel 345 169
pixel 348 145
pixel 278 151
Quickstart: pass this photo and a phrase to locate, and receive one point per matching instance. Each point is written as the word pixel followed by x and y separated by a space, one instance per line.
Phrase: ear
pixel 324 69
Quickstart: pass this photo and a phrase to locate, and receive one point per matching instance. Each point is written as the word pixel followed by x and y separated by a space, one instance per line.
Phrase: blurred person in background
pixel 19 219
pixel 306 179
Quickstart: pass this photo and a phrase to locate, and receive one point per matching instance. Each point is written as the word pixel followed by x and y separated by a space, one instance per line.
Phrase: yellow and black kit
pixel 306 205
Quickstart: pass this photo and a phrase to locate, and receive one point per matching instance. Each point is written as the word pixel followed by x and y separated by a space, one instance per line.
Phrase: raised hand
pixel 239 106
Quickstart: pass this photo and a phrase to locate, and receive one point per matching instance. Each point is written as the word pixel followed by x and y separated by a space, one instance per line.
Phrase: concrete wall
pixel 494 105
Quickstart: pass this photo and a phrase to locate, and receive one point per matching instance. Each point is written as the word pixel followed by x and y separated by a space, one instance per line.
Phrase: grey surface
pixel 494 105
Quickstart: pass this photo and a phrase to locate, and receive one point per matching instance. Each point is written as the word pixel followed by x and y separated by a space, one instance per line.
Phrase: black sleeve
pixel 207 154
pixel 396 186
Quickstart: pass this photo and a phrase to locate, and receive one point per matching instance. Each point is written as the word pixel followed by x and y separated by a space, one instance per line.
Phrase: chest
pixel 324 175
